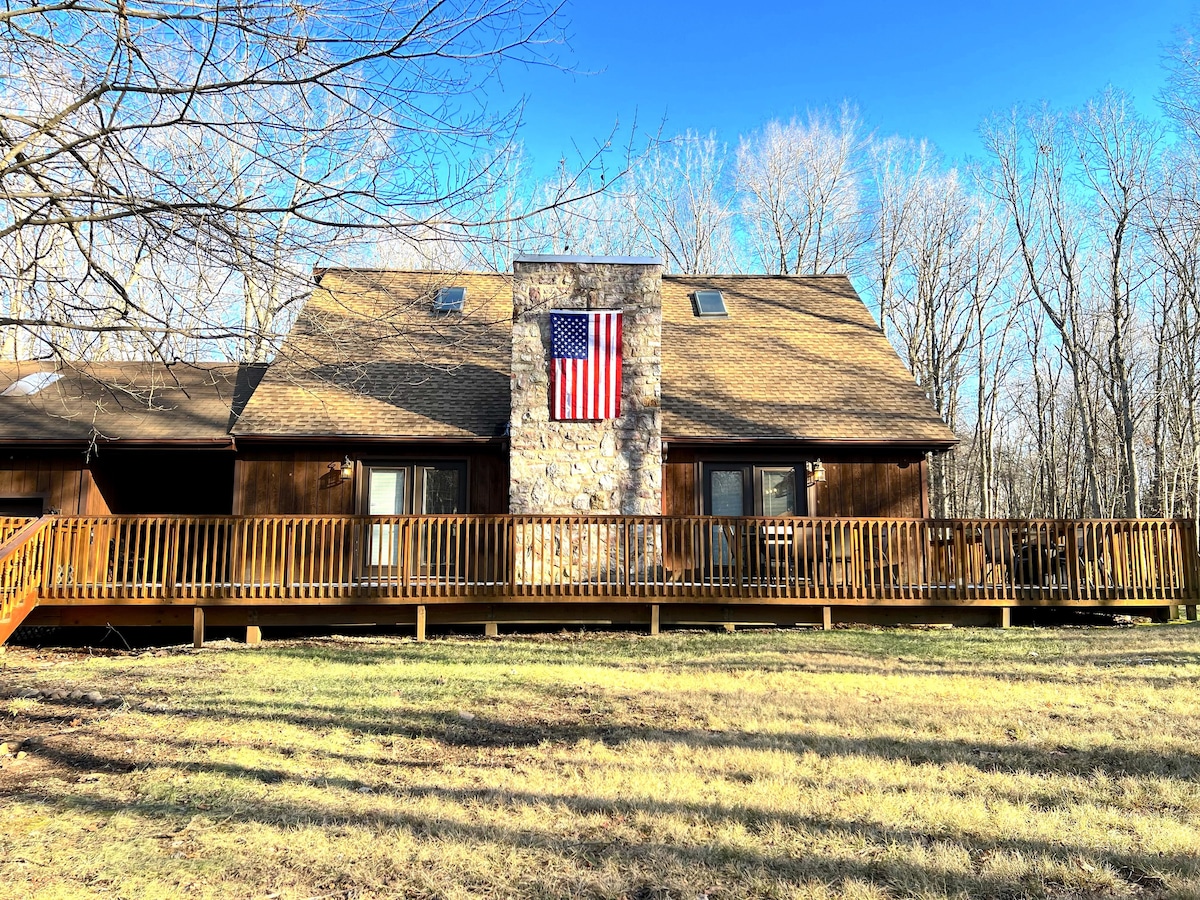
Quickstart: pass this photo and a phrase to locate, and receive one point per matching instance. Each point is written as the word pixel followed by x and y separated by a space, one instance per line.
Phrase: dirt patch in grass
pixel 856 764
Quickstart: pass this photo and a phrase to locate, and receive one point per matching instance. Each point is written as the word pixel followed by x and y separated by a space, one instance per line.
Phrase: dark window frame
pixel 413 486
pixel 752 473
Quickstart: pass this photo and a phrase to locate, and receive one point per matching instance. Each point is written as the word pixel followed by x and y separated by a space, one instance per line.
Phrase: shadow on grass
pixel 1178 645
pixel 868 843
pixel 482 732
pixel 873 842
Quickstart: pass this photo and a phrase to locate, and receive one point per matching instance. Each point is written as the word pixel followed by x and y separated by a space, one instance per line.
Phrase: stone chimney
pixel 604 467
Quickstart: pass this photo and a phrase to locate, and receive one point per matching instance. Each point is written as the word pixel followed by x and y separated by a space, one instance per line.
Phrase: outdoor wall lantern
pixel 347 469
pixel 817 470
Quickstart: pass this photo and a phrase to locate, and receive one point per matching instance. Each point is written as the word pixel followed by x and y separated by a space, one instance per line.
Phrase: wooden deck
pixel 272 562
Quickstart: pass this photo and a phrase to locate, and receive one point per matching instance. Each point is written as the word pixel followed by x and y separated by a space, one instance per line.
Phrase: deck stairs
pixel 21 559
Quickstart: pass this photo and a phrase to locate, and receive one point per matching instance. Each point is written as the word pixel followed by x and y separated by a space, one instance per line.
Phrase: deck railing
pixel 22 553
pixel 10 525
pixel 340 559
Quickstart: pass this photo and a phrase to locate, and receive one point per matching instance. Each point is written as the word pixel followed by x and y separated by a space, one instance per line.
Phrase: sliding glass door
pixel 387 495
pixel 745 489
pixel 428 489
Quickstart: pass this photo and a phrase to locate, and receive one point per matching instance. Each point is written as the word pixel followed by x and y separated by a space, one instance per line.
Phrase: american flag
pixel 585 349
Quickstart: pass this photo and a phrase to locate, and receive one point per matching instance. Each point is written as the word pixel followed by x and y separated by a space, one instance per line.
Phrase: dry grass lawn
pixel 864 764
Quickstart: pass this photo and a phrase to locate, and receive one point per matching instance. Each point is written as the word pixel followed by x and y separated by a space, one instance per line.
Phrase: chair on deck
pixel 776 552
pixel 1038 563
pixel 839 553
pixel 998 554
pixel 883 570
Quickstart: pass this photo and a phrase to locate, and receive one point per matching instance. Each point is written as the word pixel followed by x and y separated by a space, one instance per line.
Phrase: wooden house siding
pixel 61 479
pixel 859 483
pixel 305 480
pixel 681 496
pixel 873 488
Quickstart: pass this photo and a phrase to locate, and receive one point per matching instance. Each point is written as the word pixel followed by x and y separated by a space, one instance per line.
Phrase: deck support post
pixel 491 629
pixel 730 627
pixel 421 619
pixel 1190 611
pixel 654 618
pixel 827 618
pixel 253 634
pixel 1006 617
pixel 198 627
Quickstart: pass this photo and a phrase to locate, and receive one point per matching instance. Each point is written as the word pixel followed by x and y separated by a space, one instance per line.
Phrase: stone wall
pixel 606 467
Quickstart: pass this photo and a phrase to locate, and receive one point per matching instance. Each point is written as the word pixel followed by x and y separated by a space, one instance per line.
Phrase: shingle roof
pixel 369 357
pixel 123 401
pixel 798 358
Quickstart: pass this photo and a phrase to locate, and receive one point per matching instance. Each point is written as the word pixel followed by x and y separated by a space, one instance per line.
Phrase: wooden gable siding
pixel 680 492
pixel 62 479
pixel 304 480
pixel 893 490
pixel 858 483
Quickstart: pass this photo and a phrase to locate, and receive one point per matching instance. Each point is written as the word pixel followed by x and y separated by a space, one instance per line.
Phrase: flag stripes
pixel 585 349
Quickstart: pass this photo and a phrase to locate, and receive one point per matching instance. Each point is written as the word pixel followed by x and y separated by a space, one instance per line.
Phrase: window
pixel 727 492
pixel 398 489
pixel 386 490
pixel 449 299
pixel 743 489
pixel 441 490
pixel 777 490
pixel 709 303
pixel 30 384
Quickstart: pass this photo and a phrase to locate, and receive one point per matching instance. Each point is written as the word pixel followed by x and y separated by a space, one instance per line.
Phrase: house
pixel 420 450
pixel 119 437
pixel 735 407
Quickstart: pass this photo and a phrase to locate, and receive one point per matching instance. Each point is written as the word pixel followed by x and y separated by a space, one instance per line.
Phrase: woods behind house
pixel 170 177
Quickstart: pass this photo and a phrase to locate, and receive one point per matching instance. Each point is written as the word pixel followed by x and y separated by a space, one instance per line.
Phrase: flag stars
pixel 568 336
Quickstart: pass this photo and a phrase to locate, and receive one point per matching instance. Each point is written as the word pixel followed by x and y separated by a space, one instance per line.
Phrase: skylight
pixel 449 299
pixel 30 384
pixel 709 303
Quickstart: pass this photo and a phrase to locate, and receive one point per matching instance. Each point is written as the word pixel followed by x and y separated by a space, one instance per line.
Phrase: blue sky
pixel 932 70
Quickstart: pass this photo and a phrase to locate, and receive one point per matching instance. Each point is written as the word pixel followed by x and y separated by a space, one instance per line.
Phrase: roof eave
pixel 369 438
pixel 141 443
pixel 936 446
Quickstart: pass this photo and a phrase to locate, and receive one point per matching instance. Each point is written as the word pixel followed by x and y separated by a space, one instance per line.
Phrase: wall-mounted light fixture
pixel 339 473
pixel 816 471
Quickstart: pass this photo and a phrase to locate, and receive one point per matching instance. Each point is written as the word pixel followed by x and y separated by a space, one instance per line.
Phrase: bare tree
pixel 1117 149
pixel 145 147
pixel 897 168
pixel 602 221
pixel 1030 180
pixel 800 187
pixel 684 204
pixel 949 264
pixel 1174 223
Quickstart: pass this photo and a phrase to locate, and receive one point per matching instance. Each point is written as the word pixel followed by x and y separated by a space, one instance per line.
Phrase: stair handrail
pixel 14 591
